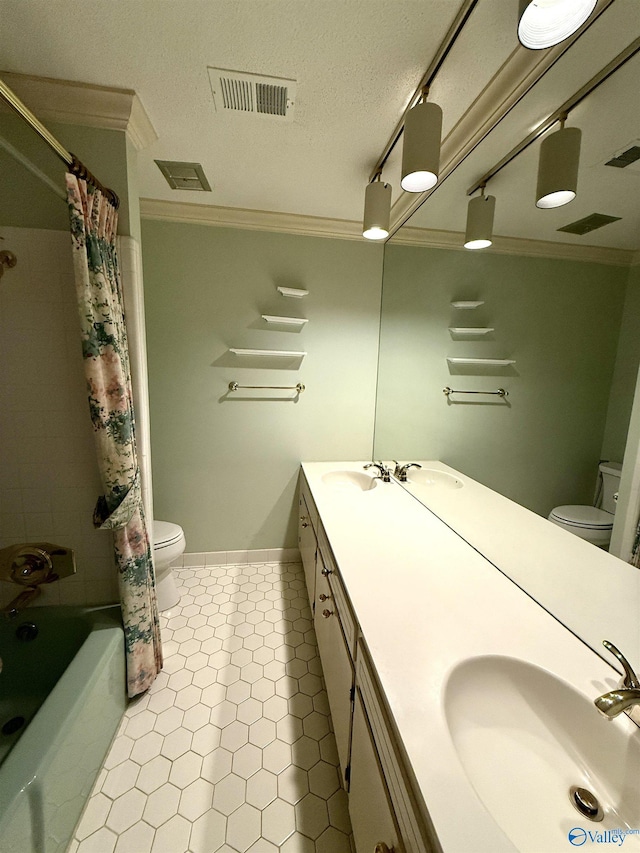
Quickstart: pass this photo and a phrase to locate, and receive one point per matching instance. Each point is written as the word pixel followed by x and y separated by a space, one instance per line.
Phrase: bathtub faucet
pixel 31 565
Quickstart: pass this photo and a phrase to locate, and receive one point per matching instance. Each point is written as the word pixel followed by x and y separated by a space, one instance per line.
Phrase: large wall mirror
pixel 559 312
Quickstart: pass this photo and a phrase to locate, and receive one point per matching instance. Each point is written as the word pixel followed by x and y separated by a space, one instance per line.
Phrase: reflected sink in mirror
pixel 432 478
pixel 524 737
pixel 352 480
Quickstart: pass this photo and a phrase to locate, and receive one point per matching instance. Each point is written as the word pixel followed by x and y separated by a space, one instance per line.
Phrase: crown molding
pixel 432 238
pixel 252 220
pixel 342 229
pixel 69 102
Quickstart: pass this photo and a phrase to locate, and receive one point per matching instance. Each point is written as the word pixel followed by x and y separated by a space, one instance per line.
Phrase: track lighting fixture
pixel 377 209
pixel 479 231
pixel 421 146
pixel 543 23
pixel 558 167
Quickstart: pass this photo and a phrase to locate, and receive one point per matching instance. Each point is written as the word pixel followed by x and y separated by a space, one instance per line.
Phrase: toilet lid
pixel 165 533
pixel 584 516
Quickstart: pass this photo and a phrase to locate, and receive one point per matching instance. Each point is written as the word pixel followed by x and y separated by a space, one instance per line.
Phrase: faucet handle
pixel 630 678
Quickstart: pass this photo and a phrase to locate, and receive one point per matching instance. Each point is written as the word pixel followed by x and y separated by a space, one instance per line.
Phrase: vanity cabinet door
pixel 336 664
pixel 307 545
pixel 370 809
pixel 408 810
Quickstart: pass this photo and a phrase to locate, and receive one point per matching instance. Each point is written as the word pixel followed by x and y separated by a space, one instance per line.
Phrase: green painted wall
pixel 225 465
pixel 26 202
pixel 559 320
pixel 625 373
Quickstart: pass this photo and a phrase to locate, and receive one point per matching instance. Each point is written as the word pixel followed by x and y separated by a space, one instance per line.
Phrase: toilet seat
pixel 166 533
pixel 587 517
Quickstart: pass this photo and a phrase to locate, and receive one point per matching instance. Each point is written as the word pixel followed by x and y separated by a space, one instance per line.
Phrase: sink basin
pixel 524 737
pixel 431 477
pixel 356 480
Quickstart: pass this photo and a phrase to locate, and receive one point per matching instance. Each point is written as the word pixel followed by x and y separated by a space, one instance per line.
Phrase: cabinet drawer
pixel 343 606
pixel 415 828
pixel 307 545
pixel 305 494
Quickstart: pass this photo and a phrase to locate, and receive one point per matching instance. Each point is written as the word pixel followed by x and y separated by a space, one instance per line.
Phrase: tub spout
pixel 21 601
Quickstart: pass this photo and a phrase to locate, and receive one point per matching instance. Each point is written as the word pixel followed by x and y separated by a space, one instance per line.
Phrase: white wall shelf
pixel 267 353
pixel 488 362
pixel 284 321
pixel 466 305
pixel 293 292
pixel 484 330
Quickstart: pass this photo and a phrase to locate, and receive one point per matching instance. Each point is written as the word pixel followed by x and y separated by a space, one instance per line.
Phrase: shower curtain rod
pixel 76 166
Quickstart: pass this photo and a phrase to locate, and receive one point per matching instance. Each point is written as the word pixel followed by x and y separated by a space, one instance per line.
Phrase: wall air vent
pixel 626 157
pixel 237 91
pixel 184 176
pixel 589 223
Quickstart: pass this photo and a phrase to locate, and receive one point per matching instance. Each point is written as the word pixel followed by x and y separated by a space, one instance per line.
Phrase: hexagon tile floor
pixel 231 751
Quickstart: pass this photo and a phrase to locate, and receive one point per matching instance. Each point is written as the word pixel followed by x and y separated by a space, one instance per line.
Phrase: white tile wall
pixel 50 479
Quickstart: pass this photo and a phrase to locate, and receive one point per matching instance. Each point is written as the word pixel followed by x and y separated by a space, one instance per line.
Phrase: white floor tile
pixel 231 751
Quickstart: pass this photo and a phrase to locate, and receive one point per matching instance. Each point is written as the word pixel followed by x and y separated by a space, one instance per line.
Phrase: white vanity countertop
pixel 595 594
pixel 426 601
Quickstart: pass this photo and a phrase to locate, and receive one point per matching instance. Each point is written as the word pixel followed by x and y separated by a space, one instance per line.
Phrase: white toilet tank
pixel 610 484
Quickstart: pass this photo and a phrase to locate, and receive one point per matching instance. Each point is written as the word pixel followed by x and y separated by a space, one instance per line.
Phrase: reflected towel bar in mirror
pixel 500 392
pixel 233 386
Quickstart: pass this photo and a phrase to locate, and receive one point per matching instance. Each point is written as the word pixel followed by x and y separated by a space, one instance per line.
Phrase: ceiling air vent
pixel 625 158
pixel 589 223
pixel 184 176
pixel 236 91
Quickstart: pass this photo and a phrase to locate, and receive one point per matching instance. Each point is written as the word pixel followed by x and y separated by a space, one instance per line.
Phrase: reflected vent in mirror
pixel 237 91
pixel 184 176
pixel 625 158
pixel 589 223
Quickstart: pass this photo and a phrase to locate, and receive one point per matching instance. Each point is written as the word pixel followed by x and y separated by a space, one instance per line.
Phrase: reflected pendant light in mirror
pixel 377 210
pixel 558 168
pixel 543 23
pixel 479 231
pixel 421 147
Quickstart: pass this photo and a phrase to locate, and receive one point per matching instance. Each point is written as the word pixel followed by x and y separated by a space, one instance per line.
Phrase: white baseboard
pixel 231 558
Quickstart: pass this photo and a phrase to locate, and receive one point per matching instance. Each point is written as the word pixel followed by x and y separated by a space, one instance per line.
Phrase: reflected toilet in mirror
pixel 593 523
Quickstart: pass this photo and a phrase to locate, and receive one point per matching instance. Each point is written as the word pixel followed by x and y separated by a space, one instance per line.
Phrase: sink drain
pixel 586 803
pixel 13 725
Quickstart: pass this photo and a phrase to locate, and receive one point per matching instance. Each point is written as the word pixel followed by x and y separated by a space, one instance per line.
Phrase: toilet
pixel 168 544
pixel 589 522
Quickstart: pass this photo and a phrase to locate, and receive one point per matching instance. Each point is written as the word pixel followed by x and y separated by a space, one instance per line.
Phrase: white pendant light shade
pixel 479 233
pixel 543 23
pixel 558 168
pixel 421 147
pixel 377 211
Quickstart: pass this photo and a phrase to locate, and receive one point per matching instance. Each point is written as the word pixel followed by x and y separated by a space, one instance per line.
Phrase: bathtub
pixel 62 696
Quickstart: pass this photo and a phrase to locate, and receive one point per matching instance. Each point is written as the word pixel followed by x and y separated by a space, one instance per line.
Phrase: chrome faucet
pixel 626 697
pixel 384 473
pixel 401 470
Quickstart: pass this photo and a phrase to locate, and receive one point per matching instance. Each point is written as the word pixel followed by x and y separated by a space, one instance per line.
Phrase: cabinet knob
pixel 327 613
pixel 305 524
pixel 326 572
pixel 324 597
pixel 381 847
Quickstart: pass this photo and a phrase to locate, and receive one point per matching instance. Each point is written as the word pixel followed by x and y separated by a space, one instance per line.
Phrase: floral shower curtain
pixel 94 219
pixel 635 552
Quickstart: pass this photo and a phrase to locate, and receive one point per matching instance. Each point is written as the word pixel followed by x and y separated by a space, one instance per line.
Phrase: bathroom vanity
pixel 457 700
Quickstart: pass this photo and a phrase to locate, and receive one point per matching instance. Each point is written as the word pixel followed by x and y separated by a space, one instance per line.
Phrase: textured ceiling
pixel 357 62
